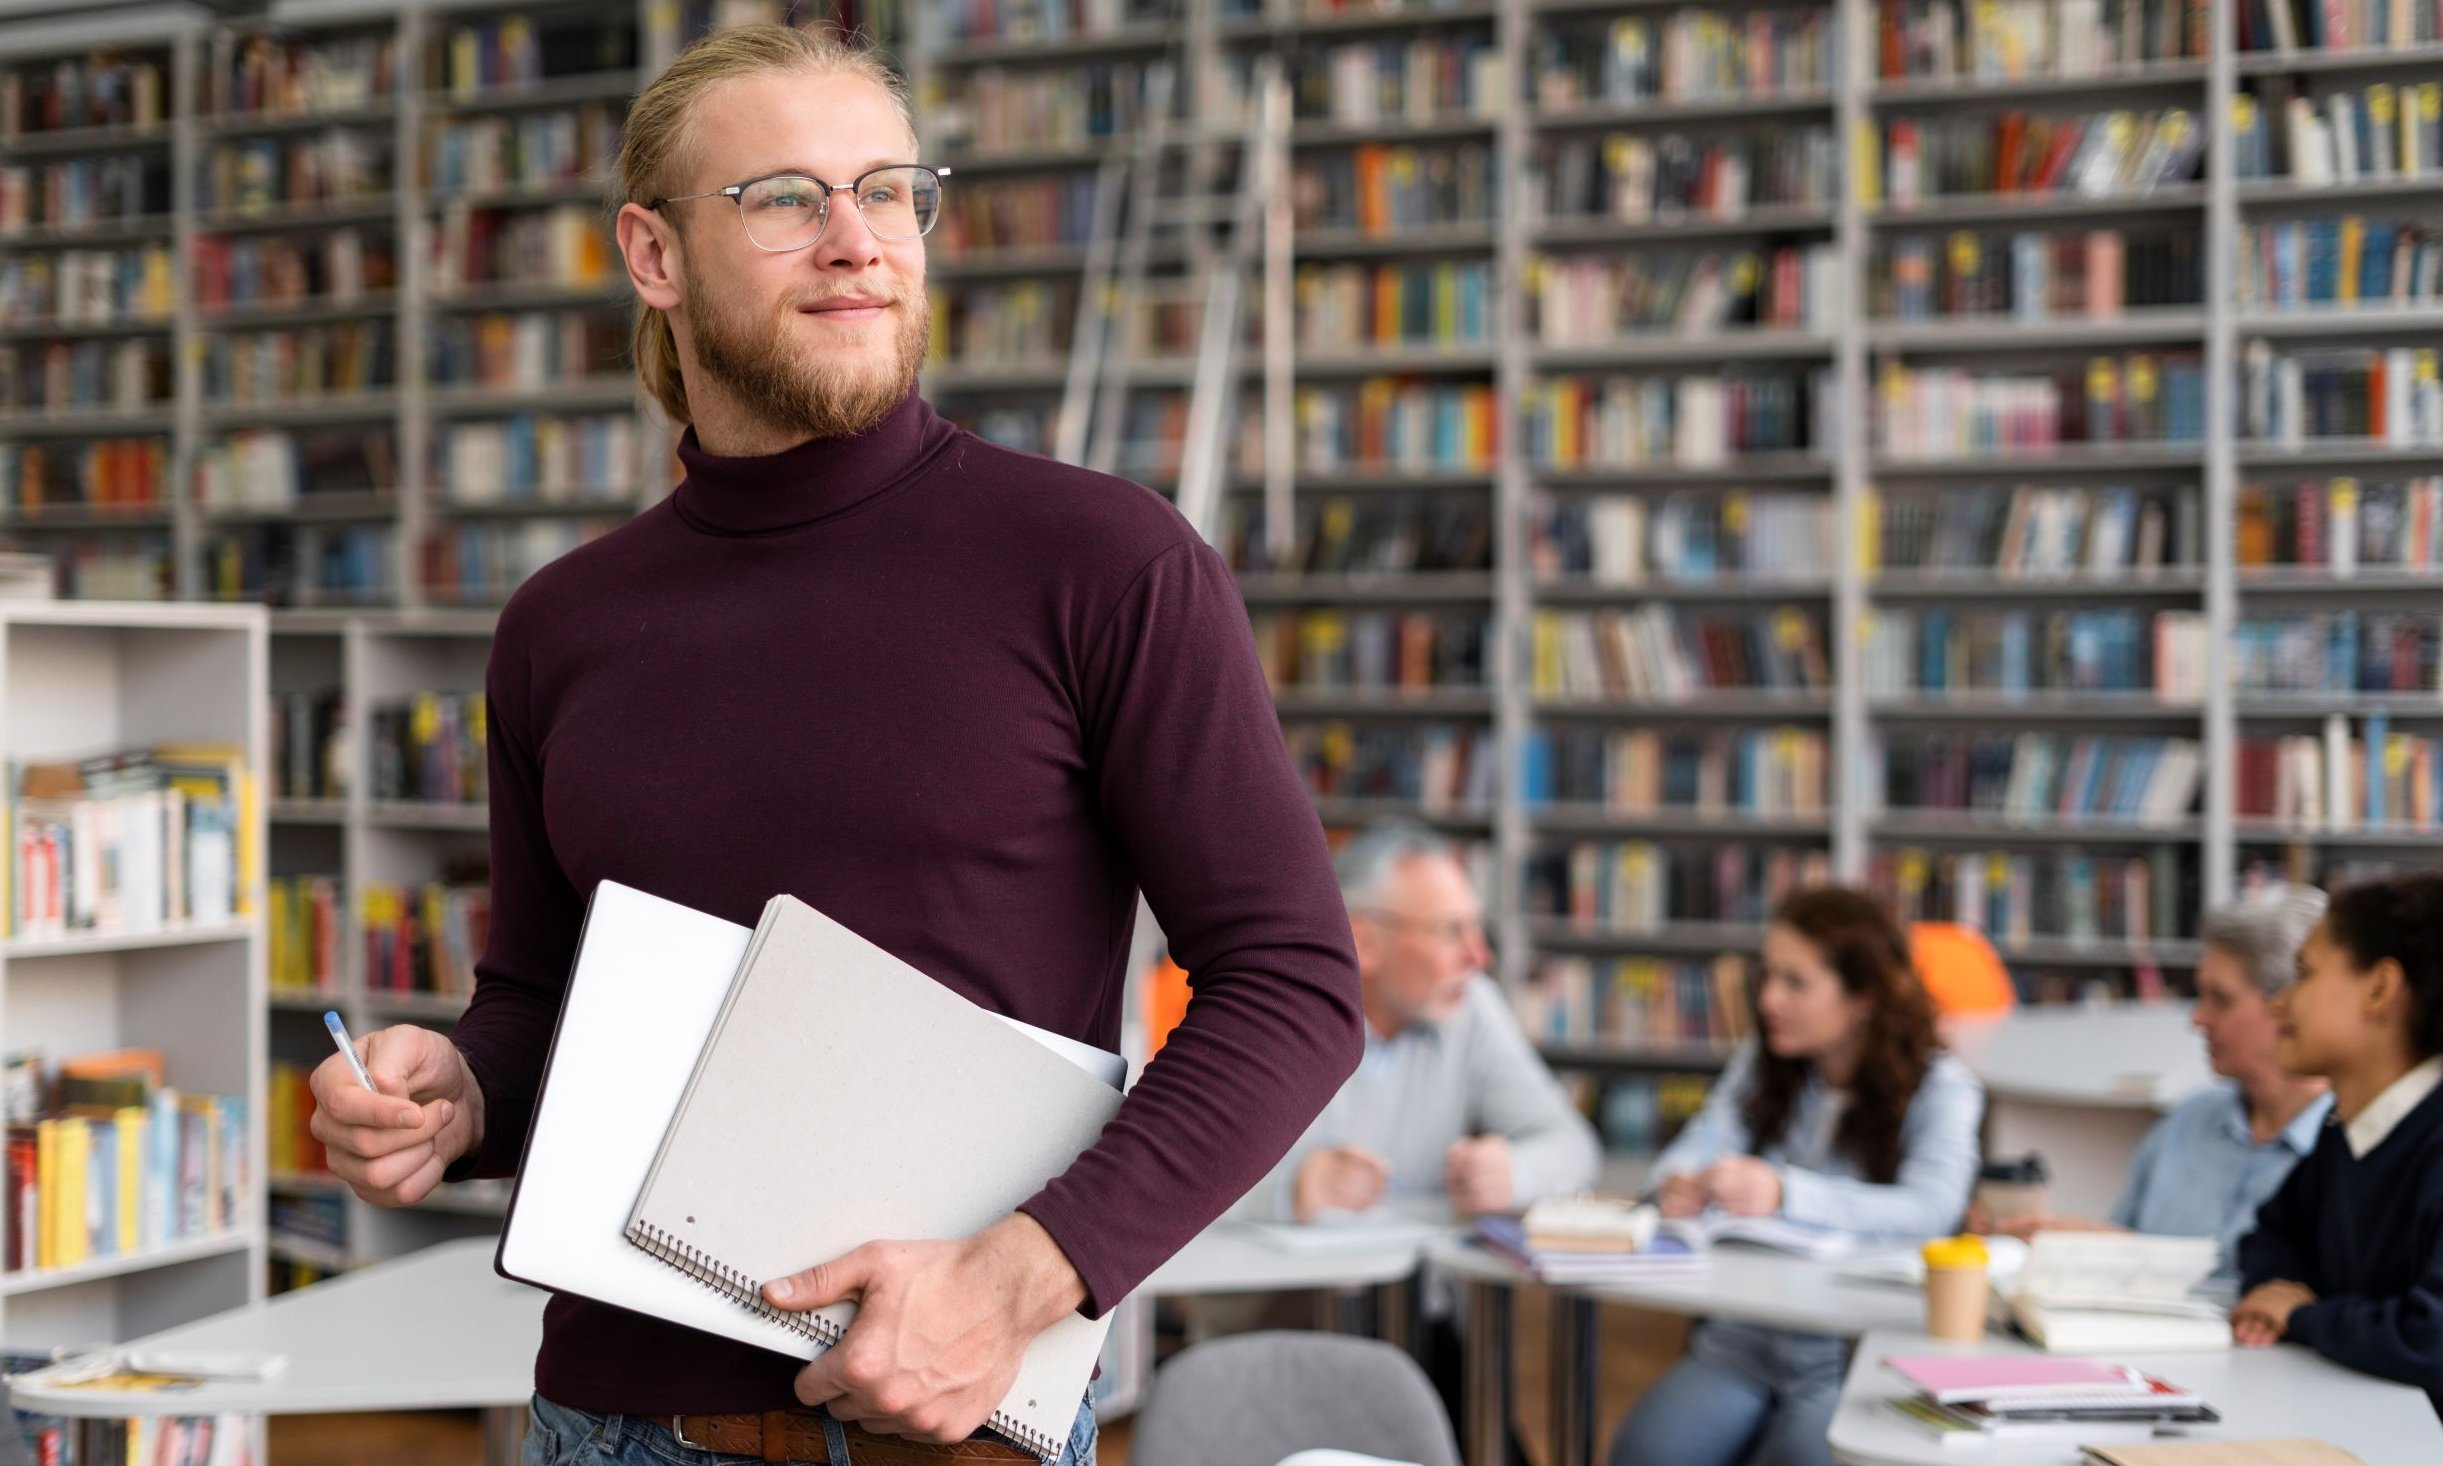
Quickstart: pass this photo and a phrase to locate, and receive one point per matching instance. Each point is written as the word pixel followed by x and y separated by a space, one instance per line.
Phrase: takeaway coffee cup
pixel 1955 1287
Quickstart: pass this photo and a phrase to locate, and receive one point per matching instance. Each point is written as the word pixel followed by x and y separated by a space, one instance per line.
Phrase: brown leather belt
pixel 797 1435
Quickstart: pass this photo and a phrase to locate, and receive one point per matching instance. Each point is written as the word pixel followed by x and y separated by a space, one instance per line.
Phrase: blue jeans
pixel 561 1435
pixel 1744 1396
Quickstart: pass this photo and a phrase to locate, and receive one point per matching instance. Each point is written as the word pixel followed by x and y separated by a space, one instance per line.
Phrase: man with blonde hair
pixel 965 700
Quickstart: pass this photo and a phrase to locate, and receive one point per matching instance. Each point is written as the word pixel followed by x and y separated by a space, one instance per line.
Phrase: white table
pixel 1232 1257
pixel 2083 1085
pixel 1745 1284
pixel 2279 1393
pixel 433 1330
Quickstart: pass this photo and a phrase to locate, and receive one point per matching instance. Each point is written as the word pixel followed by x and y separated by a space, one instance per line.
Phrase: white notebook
pixel 649 981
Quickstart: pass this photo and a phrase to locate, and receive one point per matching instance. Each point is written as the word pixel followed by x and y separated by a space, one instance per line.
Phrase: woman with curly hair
pixel 1844 1114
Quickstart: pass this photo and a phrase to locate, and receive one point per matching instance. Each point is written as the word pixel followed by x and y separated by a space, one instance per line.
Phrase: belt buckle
pixel 678 1428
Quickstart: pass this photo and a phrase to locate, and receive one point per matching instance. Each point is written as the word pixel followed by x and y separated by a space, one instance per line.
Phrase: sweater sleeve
pixel 1938 1167
pixel 537 915
pixel 1552 1148
pixel 1193 780
pixel 2277 1248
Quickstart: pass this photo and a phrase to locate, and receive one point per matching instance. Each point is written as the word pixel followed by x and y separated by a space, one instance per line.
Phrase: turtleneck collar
pixel 812 481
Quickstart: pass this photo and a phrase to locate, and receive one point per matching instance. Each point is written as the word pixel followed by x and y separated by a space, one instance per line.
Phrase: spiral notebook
pixel 842 1097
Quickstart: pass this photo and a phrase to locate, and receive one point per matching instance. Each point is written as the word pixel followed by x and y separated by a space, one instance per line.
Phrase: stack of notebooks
pixel 2119 1293
pixel 725 1107
pixel 1591 1240
pixel 1993 1399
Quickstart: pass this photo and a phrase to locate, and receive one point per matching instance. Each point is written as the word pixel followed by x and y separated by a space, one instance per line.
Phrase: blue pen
pixel 347 1046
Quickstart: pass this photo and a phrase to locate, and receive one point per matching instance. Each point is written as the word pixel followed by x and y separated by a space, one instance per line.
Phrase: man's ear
pixel 649 247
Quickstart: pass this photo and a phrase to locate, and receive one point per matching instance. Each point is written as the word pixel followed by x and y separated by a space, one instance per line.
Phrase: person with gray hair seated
pixel 2206 1167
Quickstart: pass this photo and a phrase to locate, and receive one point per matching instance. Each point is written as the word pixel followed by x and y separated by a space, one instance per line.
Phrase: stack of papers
pixel 2022 1397
pixel 1667 1254
pixel 2117 1293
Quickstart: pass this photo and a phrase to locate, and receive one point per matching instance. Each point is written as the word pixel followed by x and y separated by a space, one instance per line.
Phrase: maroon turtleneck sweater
pixel 967 702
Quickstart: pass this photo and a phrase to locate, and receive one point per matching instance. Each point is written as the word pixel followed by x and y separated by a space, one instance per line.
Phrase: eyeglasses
pixel 1449 933
pixel 787 211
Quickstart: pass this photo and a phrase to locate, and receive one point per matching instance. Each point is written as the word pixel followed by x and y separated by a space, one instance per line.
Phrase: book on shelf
pixel 1660 178
pixel 2392 395
pixel 84 192
pixel 1014 323
pixel 1942 412
pixel 106 474
pixel 336 266
pixel 2346 260
pixel 66 376
pixel 1437 768
pixel 538 458
pixel 2029 533
pixel 996 215
pixel 2037 778
pixel 1366 651
pixel 257 175
pixel 101 89
pixel 1719 774
pixel 2373 779
pixel 279 468
pixel 428 749
pixel 2033 275
pixel 997 110
pixel 1688 56
pixel 1630 541
pixel 528 351
pixel 257 74
pixel 118 567
pixel 1639 887
pixel 1020 22
pixel 2018 897
pixel 497 154
pixel 306 918
pixel 2021 40
pixel 2332 133
pixel 308 1239
pixel 1639 1114
pixel 88 287
pixel 1397 424
pixel 1345 535
pixel 2339 651
pixel 1688 420
pixel 2017 653
pixel 289 1143
pixel 2341 525
pixel 298 363
pixel 116 1162
pixel 1422 79
pixel 1594 300
pixel 563 245
pixel 425 938
pixel 299 565
pixel 515 50
pixel 1352 307
pixel 2290 26
pixel 309 746
pixel 2099 155
pixel 1638 1002
pixel 480 564
pixel 133 840
pixel 1381 190
pixel 1658 652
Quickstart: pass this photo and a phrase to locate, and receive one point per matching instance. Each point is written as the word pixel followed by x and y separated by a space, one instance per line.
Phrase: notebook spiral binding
pixel 748 1294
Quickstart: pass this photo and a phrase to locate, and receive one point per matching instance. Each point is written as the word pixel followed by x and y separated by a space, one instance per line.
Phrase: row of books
pixel 2393 395
pixel 112 1161
pixel 276 468
pixel 1372 651
pixel 998 214
pixel 1690 55
pixel 1630 541
pixel 299 565
pixel 1341 535
pixel 2376 779
pixel 309 752
pixel 2028 533
pixel 290 1147
pixel 2346 261
pixel 130 841
pixel 2019 896
pixel 58 376
pixel 299 363
pixel 528 351
pixel 2096 155
pixel 2038 778
pixel 166 1440
pixel 481 563
pixel 2339 651
pixel 309 1238
pixel 307 919
pixel 2342 524
pixel 246 176
pixel 424 938
pixel 88 287
pixel 1712 772
pixel 1646 178
pixel 1951 412
pixel 1382 189
pixel 1638 886
pixel 1593 299
pixel 1351 307
pixel 428 749
pixel 2335 25
pixel 2015 653
pixel 514 50
pixel 261 73
pixel 524 150
pixel 1439 768
pixel 564 245
pixel 1686 421
pixel 102 474
pixel 1422 79
pixel 531 458
pixel 1004 110
pixel 2019 40
pixel 74 193
pixel 2381 130
pixel 1398 424
pixel 116 567
pixel 1634 1002
pixel 2033 276
pixel 1660 653
pixel 1013 321
pixel 334 265
pixel 103 89
pixel 1020 22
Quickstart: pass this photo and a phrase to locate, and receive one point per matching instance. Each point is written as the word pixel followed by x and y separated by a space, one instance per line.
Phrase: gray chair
pixel 1254 1399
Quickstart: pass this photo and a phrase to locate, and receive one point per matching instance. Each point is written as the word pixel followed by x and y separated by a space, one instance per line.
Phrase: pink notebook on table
pixel 1970 1376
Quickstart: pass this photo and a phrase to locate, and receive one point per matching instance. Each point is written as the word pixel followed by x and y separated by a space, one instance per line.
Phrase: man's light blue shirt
pixel 2201 1173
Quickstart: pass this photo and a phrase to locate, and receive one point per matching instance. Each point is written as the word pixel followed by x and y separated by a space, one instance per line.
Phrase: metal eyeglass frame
pixel 853 189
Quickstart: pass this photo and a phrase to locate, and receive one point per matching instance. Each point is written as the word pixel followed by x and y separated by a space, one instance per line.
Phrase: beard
pixel 785 383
